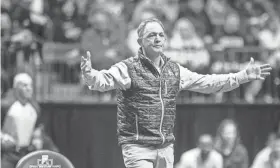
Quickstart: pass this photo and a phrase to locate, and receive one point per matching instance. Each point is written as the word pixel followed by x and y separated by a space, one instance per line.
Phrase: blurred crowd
pixel 200 35
pixel 226 150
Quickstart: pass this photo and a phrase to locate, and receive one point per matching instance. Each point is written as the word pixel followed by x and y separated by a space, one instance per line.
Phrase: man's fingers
pixel 88 55
pixel 86 62
pixel 84 58
pixel 83 65
pixel 252 60
pixel 265 66
pixel 265 74
pixel 266 69
pixel 83 61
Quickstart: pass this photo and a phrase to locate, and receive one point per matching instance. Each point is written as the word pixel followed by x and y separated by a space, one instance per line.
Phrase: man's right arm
pixel 219 161
pixel 116 77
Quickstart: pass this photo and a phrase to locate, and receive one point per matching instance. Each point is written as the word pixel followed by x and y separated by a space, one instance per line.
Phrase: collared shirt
pixel 117 77
pixel 192 159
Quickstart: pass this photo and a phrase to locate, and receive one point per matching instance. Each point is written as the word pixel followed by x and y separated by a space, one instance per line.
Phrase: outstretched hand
pixel 86 63
pixel 257 72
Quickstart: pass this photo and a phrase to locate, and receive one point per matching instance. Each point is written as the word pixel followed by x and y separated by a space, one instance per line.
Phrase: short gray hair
pixel 143 24
pixel 21 78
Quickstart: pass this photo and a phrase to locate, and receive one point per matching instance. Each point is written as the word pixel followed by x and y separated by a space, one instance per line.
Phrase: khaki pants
pixel 141 156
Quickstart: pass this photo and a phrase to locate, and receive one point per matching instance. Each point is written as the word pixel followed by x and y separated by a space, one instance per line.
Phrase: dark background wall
pixel 86 134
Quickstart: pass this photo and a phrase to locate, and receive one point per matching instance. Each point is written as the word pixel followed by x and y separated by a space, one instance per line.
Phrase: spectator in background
pixel 36 21
pixel 269 157
pixel 194 10
pixel 231 35
pixel 170 9
pixel 22 28
pixel 166 10
pixel 6 25
pixel 104 37
pixel 269 39
pixel 114 6
pixel 71 20
pixel 20 119
pixel 217 11
pixel 6 4
pixel 128 9
pixel 228 144
pixel 188 46
pixel 67 23
pixel 204 156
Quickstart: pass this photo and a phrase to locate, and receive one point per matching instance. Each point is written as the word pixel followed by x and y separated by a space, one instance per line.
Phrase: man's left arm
pixel 223 82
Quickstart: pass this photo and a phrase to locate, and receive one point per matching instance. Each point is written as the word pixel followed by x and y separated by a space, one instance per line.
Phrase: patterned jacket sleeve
pixel 210 83
pixel 116 77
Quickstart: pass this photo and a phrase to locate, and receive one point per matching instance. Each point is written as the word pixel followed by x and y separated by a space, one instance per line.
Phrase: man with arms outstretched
pixel 147 85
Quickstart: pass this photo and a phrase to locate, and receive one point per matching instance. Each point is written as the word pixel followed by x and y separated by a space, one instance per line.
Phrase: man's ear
pixel 139 41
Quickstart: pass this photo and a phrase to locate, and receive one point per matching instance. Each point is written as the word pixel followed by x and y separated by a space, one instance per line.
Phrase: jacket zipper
pixel 162 115
pixel 136 122
pixel 160 97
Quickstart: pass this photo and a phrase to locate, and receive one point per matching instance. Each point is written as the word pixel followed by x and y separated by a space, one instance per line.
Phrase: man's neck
pixel 228 147
pixel 229 144
pixel 156 59
pixel 20 98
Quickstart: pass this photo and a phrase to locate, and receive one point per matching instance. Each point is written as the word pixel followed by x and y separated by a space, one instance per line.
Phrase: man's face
pixel 205 146
pixel 196 5
pixel 229 133
pixel 25 89
pixel 186 29
pixel 153 38
pixel 100 22
pixel 232 24
pixel 68 8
